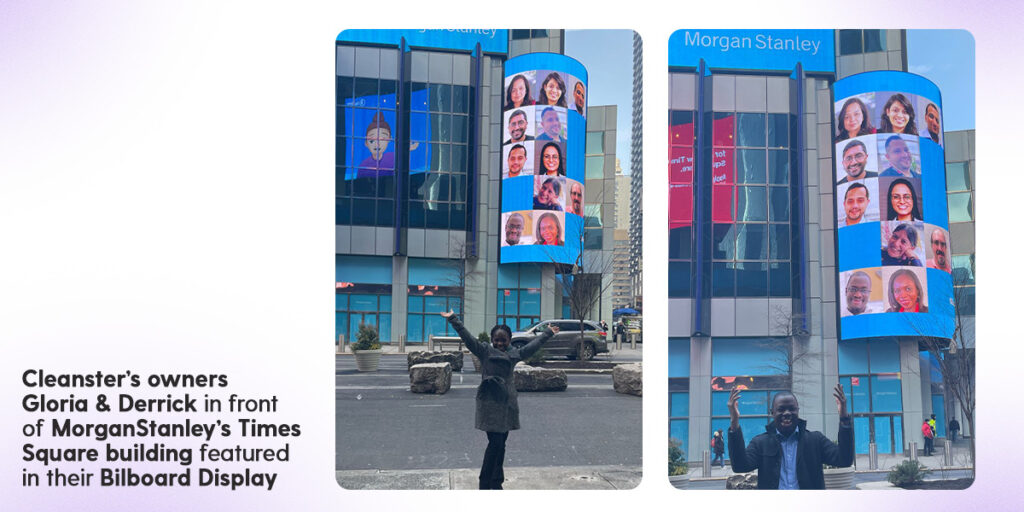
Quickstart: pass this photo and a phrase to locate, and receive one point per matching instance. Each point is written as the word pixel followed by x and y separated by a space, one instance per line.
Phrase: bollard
pixel 618 341
pixel 430 343
pixel 341 344
pixel 872 456
pixel 706 463
pixel 947 458
pixel 913 450
pixel 632 340
pixel 401 343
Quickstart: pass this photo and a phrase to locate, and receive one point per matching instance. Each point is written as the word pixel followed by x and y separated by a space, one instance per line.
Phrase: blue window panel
pixel 860 395
pixel 897 427
pixel 750 130
pixel 415 329
pixel 751 403
pixel 435 304
pixel 678 279
pixel 886 395
pixel 939 410
pixel 509 301
pixel 723 279
pixel 680 430
pixel 341 301
pixel 751 279
pixel 340 325
pixel 680 405
pixel 529 276
pixel 566 311
pixel 750 166
pixel 353 325
pixel 361 302
pixel 780 279
pixel 415 304
pixel 433 272
pixel 525 322
pixel 508 276
pixel 933 366
pixel 529 302
pixel 455 304
pixel 885 356
pixel 434 325
pixel 845 382
pixel 746 356
pixel 362 269
pixel 853 357
pixel 883 433
pixel 861 434
pixel 679 357
pixel 384 328
pixel 751 427
pixel 385 303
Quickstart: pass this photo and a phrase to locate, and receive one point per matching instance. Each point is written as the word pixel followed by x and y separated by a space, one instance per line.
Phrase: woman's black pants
pixel 492 474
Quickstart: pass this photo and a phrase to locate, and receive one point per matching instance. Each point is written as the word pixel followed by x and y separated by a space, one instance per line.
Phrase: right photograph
pixel 821 259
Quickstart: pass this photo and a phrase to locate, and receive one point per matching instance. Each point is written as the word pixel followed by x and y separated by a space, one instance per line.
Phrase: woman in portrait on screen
pixel 903 204
pixel 898 116
pixel 549 230
pixel 552 163
pixel 552 90
pixel 853 120
pixel 497 408
pixel 905 293
pixel 901 247
pixel 518 93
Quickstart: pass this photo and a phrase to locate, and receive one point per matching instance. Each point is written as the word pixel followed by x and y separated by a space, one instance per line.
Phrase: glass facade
pixel 870 375
pixel 519 295
pixel 420 145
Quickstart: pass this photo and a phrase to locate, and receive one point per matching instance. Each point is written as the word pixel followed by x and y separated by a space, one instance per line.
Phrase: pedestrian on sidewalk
pixel 954 429
pixel 929 437
pixel 718 447
pixel 787 455
pixel 497 409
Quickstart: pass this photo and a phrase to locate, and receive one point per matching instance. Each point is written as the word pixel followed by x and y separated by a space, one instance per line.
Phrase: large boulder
pixel 430 378
pixel 452 358
pixel 742 481
pixel 628 379
pixel 532 378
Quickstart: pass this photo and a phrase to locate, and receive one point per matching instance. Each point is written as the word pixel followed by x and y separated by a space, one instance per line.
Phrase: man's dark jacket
pixel 764 453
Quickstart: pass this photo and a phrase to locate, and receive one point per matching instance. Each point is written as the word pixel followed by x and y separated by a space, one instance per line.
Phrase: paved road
pixel 382 425
pixel 858 478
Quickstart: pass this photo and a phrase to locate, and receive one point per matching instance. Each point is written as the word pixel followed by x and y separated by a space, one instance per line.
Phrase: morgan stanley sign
pixel 778 50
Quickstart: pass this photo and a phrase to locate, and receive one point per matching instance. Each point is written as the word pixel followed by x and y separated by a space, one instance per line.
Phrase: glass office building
pixel 753 288
pixel 418 174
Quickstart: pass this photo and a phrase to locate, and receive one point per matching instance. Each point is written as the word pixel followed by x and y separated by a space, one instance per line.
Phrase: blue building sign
pixel 762 50
pixel 491 40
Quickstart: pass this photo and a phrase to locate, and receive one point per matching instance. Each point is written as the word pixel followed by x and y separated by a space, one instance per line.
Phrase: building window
pixel 518 295
pixel 861 41
pixel 680 198
pixel 870 376
pixel 963 282
pixel 369 304
pixel 751 204
pixel 425 304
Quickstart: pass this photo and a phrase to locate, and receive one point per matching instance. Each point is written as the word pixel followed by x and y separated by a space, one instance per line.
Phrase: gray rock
pixel 742 481
pixel 452 358
pixel 628 379
pixel 430 378
pixel 532 378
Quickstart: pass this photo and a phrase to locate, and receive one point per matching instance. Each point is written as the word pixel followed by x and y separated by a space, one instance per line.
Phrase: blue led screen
pixel 543 176
pixel 491 40
pixel 893 229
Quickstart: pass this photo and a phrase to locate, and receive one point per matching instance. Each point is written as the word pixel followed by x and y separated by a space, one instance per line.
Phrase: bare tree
pixel 790 347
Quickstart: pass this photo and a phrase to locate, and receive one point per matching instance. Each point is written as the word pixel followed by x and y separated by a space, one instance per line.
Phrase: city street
pixel 381 425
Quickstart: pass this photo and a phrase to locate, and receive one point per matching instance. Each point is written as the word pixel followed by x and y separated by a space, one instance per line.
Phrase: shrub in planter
pixel 676 458
pixel 906 473
pixel 366 339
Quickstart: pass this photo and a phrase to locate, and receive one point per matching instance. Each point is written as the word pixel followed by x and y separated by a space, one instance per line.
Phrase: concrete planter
pixel 839 478
pixel 368 360
pixel 680 481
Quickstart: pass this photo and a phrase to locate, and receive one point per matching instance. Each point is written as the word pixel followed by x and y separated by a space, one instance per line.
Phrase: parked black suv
pixel 567 341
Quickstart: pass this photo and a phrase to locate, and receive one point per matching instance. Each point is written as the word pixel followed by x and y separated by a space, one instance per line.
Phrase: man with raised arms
pixel 787 455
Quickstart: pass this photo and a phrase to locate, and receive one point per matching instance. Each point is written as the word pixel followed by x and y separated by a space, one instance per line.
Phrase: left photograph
pixel 488 300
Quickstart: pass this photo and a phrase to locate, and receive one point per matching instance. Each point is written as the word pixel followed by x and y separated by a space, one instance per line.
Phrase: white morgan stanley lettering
pixel 758 42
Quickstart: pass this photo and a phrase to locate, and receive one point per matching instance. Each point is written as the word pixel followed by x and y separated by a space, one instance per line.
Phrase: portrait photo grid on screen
pixel 879 189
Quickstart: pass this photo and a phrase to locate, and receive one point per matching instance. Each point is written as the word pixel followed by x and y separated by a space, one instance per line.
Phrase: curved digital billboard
pixel 543 129
pixel 895 259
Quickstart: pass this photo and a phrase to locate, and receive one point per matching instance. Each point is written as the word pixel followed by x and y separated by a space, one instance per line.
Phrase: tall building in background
pixel 418 177
pixel 754 292
pixel 636 166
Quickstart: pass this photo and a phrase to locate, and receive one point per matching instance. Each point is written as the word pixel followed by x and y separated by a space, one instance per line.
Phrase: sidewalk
pixel 886 461
pixel 548 478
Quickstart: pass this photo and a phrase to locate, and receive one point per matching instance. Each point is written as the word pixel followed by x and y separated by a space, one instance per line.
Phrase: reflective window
pixel 961 208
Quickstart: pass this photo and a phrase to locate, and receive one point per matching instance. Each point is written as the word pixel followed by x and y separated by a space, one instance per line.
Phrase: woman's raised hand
pixel 449 314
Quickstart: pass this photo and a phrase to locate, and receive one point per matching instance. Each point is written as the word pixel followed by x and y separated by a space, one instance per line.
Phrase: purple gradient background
pixel 158 174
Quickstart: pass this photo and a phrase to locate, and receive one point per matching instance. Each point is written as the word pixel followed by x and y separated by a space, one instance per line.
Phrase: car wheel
pixel 587 352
